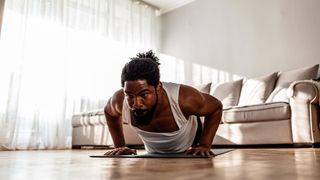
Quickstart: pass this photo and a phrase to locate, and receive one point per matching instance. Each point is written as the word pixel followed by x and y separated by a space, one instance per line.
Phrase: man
pixel 163 114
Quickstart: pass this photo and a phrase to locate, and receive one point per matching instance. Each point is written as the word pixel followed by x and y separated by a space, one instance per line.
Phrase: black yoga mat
pixel 149 155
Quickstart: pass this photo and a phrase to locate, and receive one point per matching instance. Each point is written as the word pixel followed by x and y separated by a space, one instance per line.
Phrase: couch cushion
pixel 268 132
pixel 91 135
pixel 89 119
pixel 228 93
pixel 257 90
pixel 205 88
pixel 256 113
pixel 286 78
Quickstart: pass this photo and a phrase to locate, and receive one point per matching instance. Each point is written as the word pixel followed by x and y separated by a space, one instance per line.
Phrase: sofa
pixel 281 108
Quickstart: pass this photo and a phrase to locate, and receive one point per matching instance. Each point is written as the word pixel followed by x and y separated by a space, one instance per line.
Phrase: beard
pixel 144 116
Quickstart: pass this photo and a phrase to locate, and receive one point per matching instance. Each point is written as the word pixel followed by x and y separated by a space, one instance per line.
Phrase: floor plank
pixel 257 164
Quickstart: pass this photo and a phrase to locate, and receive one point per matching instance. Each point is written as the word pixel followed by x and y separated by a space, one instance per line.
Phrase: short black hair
pixel 145 66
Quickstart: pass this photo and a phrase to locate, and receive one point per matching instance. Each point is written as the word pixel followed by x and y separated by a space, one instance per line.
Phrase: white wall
pixel 244 37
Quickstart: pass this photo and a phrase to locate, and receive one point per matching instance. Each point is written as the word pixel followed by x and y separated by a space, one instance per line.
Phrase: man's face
pixel 142 100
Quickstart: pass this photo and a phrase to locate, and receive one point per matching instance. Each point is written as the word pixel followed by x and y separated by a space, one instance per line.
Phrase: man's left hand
pixel 199 151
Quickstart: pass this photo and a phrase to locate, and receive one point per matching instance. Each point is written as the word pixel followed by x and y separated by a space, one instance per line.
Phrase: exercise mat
pixel 152 155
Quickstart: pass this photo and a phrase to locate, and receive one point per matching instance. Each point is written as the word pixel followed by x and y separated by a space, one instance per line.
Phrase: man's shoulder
pixel 117 97
pixel 114 105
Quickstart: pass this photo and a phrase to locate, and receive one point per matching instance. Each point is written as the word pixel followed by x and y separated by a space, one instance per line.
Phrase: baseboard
pixel 300 145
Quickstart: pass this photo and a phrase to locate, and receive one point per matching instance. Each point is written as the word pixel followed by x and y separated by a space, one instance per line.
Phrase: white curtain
pixel 61 57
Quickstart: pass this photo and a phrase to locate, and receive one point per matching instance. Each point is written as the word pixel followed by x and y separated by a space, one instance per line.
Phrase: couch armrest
pixel 304 103
pixel 305 91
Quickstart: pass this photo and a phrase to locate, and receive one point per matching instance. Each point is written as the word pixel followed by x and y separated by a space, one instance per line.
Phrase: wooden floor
pixel 240 164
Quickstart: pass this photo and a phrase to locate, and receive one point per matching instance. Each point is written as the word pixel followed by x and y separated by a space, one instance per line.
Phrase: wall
pixel 244 37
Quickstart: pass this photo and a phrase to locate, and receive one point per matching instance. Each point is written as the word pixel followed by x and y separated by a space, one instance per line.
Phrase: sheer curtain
pixel 61 57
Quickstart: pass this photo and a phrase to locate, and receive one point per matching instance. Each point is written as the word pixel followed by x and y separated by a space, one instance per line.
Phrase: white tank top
pixel 167 142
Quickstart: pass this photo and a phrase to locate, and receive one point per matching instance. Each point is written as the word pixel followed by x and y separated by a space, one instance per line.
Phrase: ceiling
pixel 167 5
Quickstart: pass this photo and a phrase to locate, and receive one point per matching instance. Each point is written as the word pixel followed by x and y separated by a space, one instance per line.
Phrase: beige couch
pixel 279 108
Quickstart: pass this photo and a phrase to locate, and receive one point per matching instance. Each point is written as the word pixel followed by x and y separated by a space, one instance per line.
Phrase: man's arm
pixel 193 102
pixel 113 114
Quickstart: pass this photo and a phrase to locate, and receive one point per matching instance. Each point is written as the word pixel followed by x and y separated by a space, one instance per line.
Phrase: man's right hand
pixel 121 151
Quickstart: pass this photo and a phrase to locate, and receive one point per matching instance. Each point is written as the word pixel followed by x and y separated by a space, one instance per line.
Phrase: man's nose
pixel 137 102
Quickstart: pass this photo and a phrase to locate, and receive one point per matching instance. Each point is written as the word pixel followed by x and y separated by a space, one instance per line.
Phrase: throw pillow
pixel 286 78
pixel 228 93
pixel 257 90
pixel 205 88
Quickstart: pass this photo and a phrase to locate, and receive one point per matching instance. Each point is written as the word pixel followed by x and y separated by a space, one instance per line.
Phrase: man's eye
pixel 144 95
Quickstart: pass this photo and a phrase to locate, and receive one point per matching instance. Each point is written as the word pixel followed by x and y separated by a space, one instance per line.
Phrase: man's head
pixel 143 67
pixel 140 80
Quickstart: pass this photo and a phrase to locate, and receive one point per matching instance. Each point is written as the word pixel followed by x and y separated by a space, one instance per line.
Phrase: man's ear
pixel 159 86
